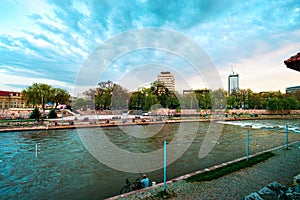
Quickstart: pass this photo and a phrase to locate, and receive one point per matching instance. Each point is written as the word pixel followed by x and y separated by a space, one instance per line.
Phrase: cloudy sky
pixel 49 41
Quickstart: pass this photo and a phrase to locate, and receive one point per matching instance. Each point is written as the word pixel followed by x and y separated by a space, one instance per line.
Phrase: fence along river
pixel 63 168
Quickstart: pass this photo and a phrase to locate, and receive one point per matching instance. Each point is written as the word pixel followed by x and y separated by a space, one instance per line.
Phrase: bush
pixel 52 114
pixel 35 114
pixel 227 169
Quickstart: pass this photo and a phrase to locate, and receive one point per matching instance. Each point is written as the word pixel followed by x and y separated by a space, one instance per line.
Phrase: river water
pixel 59 164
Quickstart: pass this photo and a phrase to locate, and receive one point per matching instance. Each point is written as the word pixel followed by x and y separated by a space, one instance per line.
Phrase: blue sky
pixel 49 41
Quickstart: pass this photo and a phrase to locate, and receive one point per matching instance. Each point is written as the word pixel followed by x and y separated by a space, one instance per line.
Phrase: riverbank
pixel 72 124
pixel 280 168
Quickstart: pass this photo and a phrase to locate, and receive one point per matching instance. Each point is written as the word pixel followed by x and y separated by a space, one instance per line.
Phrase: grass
pixel 219 172
pixel 16 120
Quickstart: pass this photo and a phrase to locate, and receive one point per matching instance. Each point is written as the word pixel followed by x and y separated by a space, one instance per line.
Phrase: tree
pixel 37 94
pixel 274 104
pixel 119 98
pixel 91 98
pixel 150 101
pixel 203 97
pixel 46 93
pixel 291 103
pixel 52 114
pixel 80 103
pixel 103 96
pixel 32 95
pixel 60 96
pixel 158 88
pixel 244 97
pixel 40 94
pixel 188 101
pixel 255 101
pixel 35 114
pixel 136 100
pixel 218 99
pixel 172 101
pixel 294 102
pixel 236 97
pixel 231 102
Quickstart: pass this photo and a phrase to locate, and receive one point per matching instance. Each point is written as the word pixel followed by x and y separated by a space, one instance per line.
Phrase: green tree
pixel 40 94
pixel 172 102
pixel 236 97
pixel 120 97
pixel 274 104
pixel 103 95
pixel 80 103
pixel 149 100
pixel 136 101
pixel 32 95
pixel 244 98
pixel 35 114
pixel 296 94
pixel 255 101
pixel 60 96
pixel 231 102
pixel 218 99
pixel 52 114
pixel 189 101
pixel 292 103
pixel 91 95
pixel 203 97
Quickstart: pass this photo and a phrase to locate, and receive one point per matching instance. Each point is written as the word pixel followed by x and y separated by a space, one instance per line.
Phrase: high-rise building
pixel 233 83
pixel 289 90
pixel 168 79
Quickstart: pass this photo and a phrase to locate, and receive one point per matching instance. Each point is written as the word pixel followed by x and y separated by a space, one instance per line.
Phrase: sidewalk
pixel 281 168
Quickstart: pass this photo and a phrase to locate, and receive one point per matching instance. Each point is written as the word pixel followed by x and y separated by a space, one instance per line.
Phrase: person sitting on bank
pixel 145 181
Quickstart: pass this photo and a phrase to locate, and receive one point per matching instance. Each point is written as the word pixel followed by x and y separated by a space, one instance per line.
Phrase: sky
pixel 53 41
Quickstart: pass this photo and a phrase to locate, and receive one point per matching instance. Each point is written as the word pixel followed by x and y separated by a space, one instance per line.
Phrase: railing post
pixel 165 167
pixel 287 136
pixel 247 144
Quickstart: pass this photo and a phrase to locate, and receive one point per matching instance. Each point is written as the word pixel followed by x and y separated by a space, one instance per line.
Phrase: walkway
pixel 280 168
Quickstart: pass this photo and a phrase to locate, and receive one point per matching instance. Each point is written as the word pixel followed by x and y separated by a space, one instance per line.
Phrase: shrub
pixel 52 114
pixel 35 114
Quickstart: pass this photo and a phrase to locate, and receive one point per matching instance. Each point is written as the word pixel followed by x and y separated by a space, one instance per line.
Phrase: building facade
pixel 290 90
pixel 168 79
pixel 10 100
pixel 233 83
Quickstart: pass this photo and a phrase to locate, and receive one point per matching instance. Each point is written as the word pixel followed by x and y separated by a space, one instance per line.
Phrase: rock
pixel 266 193
pixel 297 183
pixel 296 178
pixel 275 191
pixel 277 187
pixel 253 196
pixel 292 196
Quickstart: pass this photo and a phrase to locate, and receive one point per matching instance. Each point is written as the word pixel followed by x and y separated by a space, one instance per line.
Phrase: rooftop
pixel 9 93
pixel 293 62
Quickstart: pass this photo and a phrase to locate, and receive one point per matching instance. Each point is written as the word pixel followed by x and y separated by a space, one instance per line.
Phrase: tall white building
pixel 168 79
pixel 233 83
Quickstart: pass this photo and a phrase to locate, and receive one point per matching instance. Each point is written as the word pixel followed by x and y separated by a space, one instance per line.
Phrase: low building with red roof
pixel 9 99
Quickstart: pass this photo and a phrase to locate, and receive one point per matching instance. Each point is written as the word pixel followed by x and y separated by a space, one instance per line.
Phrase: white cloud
pixel 8 79
pixel 264 71
pixel 82 8
pixel 18 70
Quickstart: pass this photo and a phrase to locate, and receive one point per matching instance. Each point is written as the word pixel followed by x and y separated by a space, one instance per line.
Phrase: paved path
pixel 280 168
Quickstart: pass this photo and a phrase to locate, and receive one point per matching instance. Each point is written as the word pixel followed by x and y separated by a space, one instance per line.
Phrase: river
pixel 60 164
